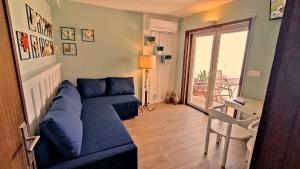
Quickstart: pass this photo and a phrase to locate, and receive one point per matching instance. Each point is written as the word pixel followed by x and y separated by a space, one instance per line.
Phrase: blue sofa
pixel 83 130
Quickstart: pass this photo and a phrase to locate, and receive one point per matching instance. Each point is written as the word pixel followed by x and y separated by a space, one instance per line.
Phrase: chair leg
pixel 218 139
pixel 207 136
pixel 249 158
pixel 226 145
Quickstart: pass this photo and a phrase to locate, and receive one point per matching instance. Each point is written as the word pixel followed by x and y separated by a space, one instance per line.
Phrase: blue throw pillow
pixel 71 100
pixel 64 129
pixel 91 87
pixel 120 86
pixel 65 83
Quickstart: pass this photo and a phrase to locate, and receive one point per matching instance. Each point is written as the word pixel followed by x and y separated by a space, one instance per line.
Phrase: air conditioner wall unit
pixel 163 26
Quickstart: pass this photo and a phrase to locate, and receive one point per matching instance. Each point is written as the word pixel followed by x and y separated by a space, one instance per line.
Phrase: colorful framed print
pixel 23 45
pixel 69 49
pixel 67 33
pixel 52 47
pixel 277 9
pixel 39 24
pixel 49 29
pixel 35 46
pixel 87 35
pixel 31 18
pixel 42 46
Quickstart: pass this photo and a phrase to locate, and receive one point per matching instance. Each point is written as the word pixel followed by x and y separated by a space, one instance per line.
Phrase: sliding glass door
pixel 216 65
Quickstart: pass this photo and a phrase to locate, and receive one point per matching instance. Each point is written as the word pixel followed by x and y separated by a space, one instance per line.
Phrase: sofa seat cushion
pixel 125 105
pixel 102 129
pixel 122 157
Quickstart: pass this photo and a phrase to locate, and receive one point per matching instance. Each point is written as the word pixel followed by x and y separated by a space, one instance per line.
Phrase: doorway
pixel 216 64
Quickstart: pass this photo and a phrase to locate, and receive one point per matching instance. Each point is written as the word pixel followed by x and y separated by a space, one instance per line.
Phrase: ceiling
pixel 179 8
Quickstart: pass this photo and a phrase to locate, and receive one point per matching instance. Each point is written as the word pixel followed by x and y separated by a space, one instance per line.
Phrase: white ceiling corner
pixel 178 8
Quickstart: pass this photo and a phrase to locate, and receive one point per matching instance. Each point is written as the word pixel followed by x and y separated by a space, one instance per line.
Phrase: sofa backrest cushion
pixel 71 100
pixel 120 86
pixel 64 129
pixel 91 87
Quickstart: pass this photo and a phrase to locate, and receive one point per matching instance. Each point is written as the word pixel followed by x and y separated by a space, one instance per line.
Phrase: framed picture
pixel 23 45
pixel 69 49
pixel 42 46
pixel 49 29
pixel 52 47
pixel 31 18
pixel 35 46
pixel 67 33
pixel 45 23
pixel 277 9
pixel 87 35
pixel 40 27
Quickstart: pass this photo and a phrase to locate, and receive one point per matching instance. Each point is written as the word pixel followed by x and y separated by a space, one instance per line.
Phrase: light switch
pixel 255 73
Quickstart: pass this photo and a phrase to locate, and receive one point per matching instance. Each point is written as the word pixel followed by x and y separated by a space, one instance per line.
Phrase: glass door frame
pixel 217 30
pixel 204 33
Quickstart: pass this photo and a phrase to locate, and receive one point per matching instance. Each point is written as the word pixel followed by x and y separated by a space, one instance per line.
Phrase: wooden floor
pixel 172 137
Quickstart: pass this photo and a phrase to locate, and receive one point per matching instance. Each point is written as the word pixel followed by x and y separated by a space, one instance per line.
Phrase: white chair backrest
pixel 222 116
pixel 253 127
pixel 218 112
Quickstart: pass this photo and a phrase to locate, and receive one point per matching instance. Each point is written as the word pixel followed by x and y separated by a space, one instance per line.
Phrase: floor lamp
pixel 147 62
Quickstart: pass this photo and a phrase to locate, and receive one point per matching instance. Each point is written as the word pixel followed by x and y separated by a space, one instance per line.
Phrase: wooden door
pixel 278 140
pixel 11 112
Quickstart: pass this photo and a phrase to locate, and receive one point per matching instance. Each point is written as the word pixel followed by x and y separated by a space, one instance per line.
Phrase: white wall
pixel 162 78
pixel 17 11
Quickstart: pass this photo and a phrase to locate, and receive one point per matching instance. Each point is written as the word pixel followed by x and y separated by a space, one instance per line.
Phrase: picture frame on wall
pixel 277 9
pixel 42 46
pixel 67 33
pixel 35 46
pixel 69 49
pixel 23 45
pixel 31 18
pixel 39 23
pixel 52 47
pixel 87 35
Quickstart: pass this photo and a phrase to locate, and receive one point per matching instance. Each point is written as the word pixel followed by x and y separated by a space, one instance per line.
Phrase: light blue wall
pixel 262 45
pixel 17 10
pixel 118 44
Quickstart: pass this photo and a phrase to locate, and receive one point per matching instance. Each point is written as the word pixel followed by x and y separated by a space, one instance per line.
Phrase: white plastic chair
pixel 225 126
pixel 253 127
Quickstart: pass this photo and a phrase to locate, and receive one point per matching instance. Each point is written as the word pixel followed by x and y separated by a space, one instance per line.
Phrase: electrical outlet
pixel 255 73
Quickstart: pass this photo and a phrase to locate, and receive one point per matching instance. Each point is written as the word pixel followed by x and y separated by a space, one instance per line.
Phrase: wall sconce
pixel 211 22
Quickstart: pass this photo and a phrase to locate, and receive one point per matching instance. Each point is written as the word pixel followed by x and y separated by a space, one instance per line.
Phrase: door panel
pixel 11 113
pixel 229 64
pixel 216 65
pixel 200 70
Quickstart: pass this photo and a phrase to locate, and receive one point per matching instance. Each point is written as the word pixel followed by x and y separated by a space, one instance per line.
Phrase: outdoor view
pixel 229 66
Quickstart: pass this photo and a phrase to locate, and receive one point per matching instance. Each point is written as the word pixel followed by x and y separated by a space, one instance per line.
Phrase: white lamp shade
pixel 147 62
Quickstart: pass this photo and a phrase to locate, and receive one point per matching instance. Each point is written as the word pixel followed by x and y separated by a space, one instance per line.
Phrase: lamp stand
pixel 145 106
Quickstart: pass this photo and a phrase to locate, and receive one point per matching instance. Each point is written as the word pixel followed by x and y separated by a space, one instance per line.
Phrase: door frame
pixel 188 48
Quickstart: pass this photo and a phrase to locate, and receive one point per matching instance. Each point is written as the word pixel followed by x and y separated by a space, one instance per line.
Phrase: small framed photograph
pixel 87 35
pixel 52 47
pixel 67 33
pixel 23 45
pixel 31 18
pixel 69 49
pixel 35 46
pixel 277 9
pixel 45 23
pixel 42 46
pixel 40 26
